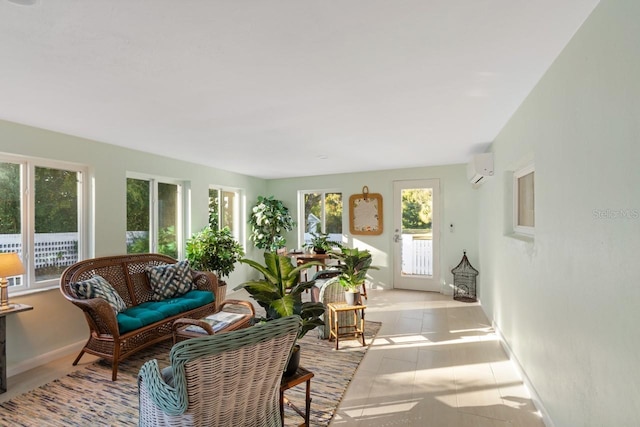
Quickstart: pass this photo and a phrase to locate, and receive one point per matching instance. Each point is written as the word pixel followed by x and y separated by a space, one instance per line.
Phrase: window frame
pixel 323 223
pixel 517 175
pixel 238 212
pixel 28 164
pixel 181 214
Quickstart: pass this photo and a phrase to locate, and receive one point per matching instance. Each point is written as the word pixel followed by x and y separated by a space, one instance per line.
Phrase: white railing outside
pixel 417 255
pixel 52 249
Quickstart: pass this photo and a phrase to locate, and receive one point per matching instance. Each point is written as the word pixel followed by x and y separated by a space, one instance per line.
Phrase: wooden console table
pixel 301 375
pixel 16 308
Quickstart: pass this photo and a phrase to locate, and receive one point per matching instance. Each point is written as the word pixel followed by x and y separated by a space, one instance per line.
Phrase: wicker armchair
pixel 230 379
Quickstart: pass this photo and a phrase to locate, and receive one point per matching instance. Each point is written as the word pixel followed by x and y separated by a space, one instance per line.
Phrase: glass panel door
pixel 416 235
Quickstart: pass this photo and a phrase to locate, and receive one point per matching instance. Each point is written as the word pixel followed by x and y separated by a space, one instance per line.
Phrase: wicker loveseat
pixel 144 321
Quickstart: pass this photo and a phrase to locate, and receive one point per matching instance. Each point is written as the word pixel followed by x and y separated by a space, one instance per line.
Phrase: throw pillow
pixel 170 280
pixel 98 287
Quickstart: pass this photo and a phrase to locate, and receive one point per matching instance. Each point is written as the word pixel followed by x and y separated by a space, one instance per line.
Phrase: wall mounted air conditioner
pixel 480 167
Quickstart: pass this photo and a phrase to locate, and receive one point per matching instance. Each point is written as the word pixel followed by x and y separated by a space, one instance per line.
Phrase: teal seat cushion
pixel 154 311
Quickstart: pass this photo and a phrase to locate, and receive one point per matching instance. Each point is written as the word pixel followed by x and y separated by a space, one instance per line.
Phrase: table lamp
pixel 10 265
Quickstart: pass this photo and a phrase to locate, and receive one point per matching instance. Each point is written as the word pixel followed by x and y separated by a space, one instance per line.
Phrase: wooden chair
pixel 230 379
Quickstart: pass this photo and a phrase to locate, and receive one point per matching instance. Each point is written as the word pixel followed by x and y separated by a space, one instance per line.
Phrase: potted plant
pixel 279 292
pixel 320 243
pixel 353 266
pixel 214 250
pixel 269 219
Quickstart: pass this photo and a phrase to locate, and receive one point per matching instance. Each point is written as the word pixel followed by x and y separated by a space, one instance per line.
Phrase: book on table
pixel 218 321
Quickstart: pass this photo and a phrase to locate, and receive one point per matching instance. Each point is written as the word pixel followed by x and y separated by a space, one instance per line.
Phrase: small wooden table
pixel 354 328
pixel 15 308
pixel 301 375
pixel 181 327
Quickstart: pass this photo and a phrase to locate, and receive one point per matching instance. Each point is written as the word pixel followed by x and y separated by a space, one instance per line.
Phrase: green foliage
pixel 332 210
pixel 279 291
pixel 321 241
pixel 10 198
pixel 214 250
pixel 270 218
pixel 167 242
pixel 354 265
pixel 416 209
pixel 138 206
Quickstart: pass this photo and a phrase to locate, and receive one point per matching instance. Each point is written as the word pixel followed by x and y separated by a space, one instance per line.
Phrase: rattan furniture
pixel 331 291
pixel 354 328
pixel 127 275
pixel 181 331
pixel 231 379
pixel 302 375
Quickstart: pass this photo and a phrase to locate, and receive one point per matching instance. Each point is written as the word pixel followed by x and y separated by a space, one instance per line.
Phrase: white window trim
pixel 183 209
pixel 521 229
pixel 238 210
pixel 27 206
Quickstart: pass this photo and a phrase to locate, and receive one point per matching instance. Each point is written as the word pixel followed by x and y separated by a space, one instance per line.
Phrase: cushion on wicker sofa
pixel 153 311
pixel 170 280
pixel 98 287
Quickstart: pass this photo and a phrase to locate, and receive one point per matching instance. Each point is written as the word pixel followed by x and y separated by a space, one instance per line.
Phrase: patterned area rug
pixel 88 397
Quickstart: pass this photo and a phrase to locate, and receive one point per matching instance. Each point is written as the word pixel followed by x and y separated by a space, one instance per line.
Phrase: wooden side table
pixel 301 375
pixel 16 308
pixel 353 328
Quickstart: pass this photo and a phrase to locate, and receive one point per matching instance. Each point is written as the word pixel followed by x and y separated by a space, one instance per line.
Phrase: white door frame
pixel 407 281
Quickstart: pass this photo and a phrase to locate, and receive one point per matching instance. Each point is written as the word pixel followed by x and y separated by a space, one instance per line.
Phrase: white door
pixel 416 238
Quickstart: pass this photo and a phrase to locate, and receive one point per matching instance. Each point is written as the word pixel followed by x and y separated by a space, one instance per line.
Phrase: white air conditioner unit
pixel 480 167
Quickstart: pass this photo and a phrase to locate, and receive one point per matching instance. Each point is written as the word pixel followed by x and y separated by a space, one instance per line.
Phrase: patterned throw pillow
pixel 98 287
pixel 170 280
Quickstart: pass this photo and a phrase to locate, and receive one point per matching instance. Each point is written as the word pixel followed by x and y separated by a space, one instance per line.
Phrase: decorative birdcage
pixel 464 281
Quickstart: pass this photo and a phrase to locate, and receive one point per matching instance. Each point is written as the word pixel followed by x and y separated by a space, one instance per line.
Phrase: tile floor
pixel 435 362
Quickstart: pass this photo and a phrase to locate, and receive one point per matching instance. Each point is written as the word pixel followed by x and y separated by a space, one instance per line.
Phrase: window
pixel 321 212
pixel 524 200
pixel 224 209
pixel 154 216
pixel 42 207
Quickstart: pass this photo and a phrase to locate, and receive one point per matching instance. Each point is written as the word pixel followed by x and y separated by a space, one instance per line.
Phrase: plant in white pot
pixel 354 265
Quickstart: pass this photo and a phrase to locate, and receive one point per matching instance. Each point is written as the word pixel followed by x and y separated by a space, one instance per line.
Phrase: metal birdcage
pixel 464 281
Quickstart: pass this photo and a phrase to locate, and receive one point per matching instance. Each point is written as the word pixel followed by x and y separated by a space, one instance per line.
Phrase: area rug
pixel 88 397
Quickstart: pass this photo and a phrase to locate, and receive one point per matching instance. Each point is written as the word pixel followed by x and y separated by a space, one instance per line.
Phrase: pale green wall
pixel 567 302
pixel 29 334
pixel 459 206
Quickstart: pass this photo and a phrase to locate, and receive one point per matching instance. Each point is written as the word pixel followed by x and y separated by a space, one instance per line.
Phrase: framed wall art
pixel 365 213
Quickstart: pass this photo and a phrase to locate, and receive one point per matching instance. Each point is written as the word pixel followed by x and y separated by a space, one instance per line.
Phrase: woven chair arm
pixel 183 321
pixel 101 315
pixel 169 399
pixel 246 304
pixel 204 281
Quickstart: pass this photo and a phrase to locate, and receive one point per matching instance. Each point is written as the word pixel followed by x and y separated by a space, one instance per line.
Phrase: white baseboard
pixel 546 419
pixel 42 359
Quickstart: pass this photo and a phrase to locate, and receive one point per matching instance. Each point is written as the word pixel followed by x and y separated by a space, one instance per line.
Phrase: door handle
pixel 396 238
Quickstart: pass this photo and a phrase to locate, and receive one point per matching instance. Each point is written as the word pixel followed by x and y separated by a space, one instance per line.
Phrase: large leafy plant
pixel 269 219
pixel 214 250
pixel 354 265
pixel 279 291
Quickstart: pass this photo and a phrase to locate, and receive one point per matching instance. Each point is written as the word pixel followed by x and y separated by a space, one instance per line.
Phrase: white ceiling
pixel 281 88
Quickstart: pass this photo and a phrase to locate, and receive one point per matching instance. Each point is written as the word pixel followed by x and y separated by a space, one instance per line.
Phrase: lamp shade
pixel 10 265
